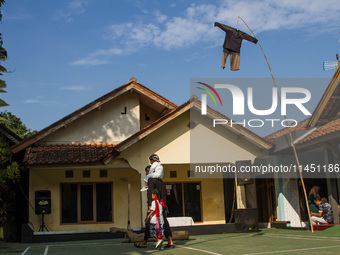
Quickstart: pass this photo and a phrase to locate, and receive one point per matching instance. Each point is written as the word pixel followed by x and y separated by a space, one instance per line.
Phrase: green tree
pixel 9 171
pixel 9 175
pixel 15 124
pixel 1 3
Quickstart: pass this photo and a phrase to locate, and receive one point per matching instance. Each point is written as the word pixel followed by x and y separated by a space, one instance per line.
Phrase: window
pixel 69 174
pixel 104 202
pixel 86 202
pixel 103 173
pixel 69 203
pixel 173 174
pixel 86 173
pixel 184 199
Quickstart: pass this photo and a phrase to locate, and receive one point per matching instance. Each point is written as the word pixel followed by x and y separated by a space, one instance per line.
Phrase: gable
pixel 173 143
pixel 171 137
pixel 220 143
pixel 328 107
pixel 323 123
pixel 145 95
pixel 170 141
pixel 112 123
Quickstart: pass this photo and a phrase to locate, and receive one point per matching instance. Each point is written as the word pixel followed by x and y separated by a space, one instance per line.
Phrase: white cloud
pixel 138 33
pixel 181 33
pixel 75 88
pixel 89 62
pixel 43 102
pixel 78 6
pixel 74 8
pixel 280 14
pixel 117 30
pixel 144 34
pixel 100 57
pixel 160 17
pixel 33 101
pixel 196 25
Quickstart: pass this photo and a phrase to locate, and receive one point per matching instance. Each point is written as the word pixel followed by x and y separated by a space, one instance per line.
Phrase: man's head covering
pixel 154 157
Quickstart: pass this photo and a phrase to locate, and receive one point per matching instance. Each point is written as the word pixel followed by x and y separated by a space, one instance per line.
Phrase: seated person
pixel 327 211
pixel 314 191
pixel 315 212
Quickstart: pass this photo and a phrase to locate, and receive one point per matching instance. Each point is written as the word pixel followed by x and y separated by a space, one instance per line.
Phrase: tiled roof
pixel 331 127
pixel 67 154
pixel 326 129
pixel 300 126
pixel 9 134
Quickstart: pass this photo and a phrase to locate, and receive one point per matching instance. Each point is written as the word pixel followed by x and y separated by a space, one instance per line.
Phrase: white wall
pixel 218 144
pixel 106 124
pixel 288 208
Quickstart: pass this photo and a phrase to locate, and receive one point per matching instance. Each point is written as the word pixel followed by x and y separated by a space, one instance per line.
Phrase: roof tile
pixel 326 129
pixel 302 125
pixel 67 154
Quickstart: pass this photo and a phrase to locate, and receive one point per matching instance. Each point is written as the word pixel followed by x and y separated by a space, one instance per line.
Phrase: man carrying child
pixel 153 181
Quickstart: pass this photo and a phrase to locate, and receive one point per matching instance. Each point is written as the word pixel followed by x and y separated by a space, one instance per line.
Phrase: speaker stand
pixel 43 226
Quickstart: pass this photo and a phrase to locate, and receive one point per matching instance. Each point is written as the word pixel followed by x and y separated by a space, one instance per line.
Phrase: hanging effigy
pixel 232 45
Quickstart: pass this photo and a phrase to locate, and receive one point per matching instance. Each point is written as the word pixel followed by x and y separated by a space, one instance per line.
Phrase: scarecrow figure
pixel 232 45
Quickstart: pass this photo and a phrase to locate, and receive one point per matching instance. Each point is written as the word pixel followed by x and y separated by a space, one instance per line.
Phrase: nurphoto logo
pixel 294 96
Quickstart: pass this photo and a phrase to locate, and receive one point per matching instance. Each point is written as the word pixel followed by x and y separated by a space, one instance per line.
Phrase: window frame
pixel 94 186
pixel 182 187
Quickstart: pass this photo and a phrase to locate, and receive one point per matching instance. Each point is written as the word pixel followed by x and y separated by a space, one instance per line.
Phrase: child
pixel 316 212
pixel 155 172
pixel 147 170
pixel 156 218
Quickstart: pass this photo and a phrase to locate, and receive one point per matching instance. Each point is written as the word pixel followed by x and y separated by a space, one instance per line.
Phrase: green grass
pixel 266 241
pixel 333 231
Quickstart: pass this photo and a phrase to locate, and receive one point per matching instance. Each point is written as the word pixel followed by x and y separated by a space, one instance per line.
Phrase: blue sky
pixel 65 54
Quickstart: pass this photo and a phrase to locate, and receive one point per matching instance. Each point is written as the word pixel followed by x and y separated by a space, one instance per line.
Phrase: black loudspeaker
pixel 246 220
pixel 244 177
pixel 43 202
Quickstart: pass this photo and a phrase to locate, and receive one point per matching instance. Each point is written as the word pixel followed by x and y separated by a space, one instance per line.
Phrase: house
pixel 317 141
pixel 92 162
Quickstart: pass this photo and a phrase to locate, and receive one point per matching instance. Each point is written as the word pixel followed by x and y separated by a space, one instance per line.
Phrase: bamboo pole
pixel 290 134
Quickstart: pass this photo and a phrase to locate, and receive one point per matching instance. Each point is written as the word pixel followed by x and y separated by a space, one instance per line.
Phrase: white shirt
pixel 156 171
pixel 153 208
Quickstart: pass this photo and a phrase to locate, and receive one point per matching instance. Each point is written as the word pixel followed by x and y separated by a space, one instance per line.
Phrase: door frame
pixel 182 183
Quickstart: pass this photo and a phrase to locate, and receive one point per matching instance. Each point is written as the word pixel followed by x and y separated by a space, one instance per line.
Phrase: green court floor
pixel 267 241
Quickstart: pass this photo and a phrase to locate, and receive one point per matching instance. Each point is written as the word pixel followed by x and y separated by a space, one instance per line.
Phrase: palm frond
pixel 2 84
pixel 3 103
pixel 3 69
